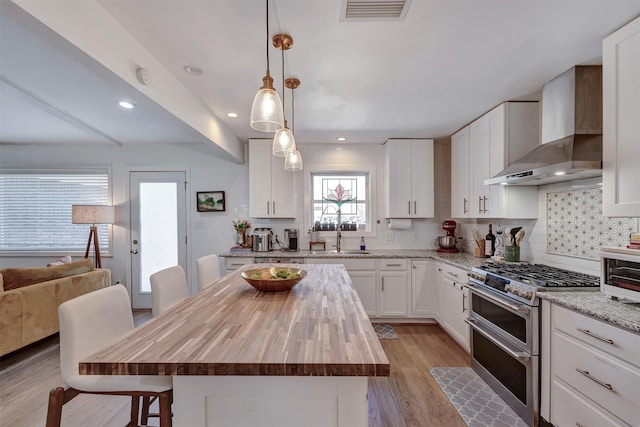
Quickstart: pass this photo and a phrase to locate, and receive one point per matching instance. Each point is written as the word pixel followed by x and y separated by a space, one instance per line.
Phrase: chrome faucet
pixel 338 233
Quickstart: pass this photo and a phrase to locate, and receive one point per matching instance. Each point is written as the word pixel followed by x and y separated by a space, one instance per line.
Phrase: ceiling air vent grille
pixel 374 10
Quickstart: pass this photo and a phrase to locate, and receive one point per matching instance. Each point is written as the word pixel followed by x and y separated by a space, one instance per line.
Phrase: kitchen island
pixel 242 357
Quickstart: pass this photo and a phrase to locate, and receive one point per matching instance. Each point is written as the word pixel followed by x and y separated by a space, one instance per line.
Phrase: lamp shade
pixel 92 214
pixel 283 142
pixel 293 161
pixel 266 111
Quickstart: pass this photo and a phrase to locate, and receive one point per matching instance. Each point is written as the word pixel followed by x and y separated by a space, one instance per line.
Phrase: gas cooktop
pixel 542 275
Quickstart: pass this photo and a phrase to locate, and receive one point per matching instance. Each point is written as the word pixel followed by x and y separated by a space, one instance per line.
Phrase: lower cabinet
pixel 234 263
pixel 593 371
pixel 424 289
pixel 454 304
pixel 394 289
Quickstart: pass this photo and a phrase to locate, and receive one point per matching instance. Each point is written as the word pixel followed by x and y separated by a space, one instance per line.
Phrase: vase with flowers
pixel 241 226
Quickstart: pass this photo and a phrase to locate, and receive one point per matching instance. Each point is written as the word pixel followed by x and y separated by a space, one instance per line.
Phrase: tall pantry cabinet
pixel 621 122
pixel 494 141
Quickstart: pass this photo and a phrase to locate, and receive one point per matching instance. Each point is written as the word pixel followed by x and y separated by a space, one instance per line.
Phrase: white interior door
pixel 158 228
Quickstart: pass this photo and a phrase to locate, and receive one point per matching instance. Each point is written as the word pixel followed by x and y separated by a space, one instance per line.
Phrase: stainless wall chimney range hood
pixel 571 134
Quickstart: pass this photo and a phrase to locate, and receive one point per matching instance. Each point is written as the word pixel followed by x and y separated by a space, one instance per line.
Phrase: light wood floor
pixel 409 397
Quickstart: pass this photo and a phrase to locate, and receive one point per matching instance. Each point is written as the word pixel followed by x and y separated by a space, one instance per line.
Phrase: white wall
pixel 213 232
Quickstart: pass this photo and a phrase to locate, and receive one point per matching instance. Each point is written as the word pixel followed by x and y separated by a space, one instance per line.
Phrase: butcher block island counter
pixel 240 357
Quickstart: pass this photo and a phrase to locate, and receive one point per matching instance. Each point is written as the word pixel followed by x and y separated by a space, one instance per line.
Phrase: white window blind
pixel 35 210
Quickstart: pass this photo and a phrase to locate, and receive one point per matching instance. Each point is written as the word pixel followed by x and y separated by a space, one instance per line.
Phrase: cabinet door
pixel 422 179
pixel 460 190
pixel 424 289
pixel 621 122
pixel 282 190
pixel 260 178
pixel 453 306
pixel 398 178
pixel 365 284
pixel 394 295
pixel 479 143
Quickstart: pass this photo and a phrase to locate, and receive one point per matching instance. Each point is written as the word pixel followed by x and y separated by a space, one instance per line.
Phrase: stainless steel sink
pixel 345 252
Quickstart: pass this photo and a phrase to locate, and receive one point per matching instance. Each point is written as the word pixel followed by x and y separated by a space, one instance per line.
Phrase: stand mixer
pixel 448 243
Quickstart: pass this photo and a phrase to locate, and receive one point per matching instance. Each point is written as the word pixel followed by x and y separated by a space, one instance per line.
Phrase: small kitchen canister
pixel 512 253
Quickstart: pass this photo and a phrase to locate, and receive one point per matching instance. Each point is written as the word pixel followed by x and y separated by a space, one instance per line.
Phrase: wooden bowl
pixel 273 285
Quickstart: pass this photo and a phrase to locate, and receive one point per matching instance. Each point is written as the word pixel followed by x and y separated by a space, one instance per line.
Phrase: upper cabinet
pixel 271 188
pixel 621 122
pixel 409 178
pixel 495 140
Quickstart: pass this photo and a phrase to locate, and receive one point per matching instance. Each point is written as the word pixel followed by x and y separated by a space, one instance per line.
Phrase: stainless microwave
pixel 620 273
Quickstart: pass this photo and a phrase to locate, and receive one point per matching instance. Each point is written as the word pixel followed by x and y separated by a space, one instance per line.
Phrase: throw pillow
pixel 14 278
pixel 60 261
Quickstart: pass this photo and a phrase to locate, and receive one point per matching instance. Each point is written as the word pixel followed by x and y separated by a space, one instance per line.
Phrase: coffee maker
pixel 291 239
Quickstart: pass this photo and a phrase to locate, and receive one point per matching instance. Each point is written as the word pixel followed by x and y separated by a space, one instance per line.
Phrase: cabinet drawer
pixel 454 274
pixel 610 339
pixel 601 378
pixel 235 263
pixel 349 263
pixel 393 264
pixel 571 409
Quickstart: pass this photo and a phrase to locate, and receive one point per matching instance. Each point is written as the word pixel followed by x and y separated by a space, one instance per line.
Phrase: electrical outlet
pixel 388 236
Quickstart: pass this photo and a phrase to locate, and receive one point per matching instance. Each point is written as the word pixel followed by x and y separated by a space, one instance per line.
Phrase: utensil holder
pixel 512 253
pixel 478 252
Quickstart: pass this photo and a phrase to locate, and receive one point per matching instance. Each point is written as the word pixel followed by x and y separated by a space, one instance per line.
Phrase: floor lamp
pixel 92 214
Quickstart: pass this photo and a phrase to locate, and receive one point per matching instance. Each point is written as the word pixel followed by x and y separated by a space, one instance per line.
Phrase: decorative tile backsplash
pixel 575 225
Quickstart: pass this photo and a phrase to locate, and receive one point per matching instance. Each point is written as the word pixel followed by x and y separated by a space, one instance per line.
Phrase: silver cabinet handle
pixel 415 209
pixel 383 284
pixel 393 265
pixel 592 378
pixel 520 355
pixel 579 425
pixel 452 274
pixel 267 207
pixel 464 300
pixel 274 207
pixel 464 205
pixel 596 336
pixel 409 207
pixel 479 204
pixel 484 204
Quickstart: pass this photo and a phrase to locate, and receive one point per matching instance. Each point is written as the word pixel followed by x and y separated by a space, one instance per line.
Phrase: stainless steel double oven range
pixel 505 327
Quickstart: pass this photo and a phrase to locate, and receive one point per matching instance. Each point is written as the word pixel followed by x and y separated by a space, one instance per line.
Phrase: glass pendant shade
pixel 266 112
pixel 293 161
pixel 283 141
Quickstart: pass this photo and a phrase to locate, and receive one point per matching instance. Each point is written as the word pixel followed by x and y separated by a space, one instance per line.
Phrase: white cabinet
pixel 454 306
pixel 424 289
pixel 621 122
pixel 495 140
pixel 271 188
pixel 394 289
pixel 593 371
pixel 460 179
pixel 409 178
pixel 234 263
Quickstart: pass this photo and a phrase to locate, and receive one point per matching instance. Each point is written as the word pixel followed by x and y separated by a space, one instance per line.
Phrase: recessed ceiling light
pixel 126 104
pixel 232 115
pixel 193 70
pixel 341 138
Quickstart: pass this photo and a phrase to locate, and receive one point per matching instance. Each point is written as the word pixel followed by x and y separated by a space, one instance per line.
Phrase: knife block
pixel 478 252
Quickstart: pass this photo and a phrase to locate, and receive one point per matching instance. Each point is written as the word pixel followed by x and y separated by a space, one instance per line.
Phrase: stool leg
pixel 165 400
pixel 135 408
pixel 144 416
pixel 54 411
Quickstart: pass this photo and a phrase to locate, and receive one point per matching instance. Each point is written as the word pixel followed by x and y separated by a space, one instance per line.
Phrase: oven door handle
pixel 517 308
pixel 515 354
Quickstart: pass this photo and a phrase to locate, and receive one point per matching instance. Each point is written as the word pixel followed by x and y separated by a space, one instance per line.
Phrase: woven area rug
pixel 385 331
pixel 475 401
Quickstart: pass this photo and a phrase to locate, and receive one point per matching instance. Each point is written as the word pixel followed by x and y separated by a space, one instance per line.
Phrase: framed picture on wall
pixel 210 201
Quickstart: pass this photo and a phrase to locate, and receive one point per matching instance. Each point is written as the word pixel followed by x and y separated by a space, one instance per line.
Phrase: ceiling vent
pixel 374 10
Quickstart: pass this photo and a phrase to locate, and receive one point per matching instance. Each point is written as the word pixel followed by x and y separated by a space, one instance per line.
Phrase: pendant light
pixel 283 140
pixel 293 160
pixel 266 111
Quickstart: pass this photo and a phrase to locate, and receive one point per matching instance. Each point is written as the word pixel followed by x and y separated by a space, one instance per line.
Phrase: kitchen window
pixel 35 210
pixel 346 191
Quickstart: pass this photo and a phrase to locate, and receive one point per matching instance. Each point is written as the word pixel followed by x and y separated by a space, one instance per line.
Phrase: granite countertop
pixel 462 259
pixel 622 313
